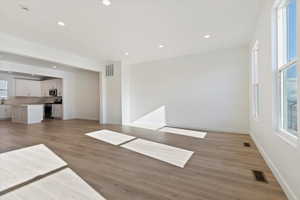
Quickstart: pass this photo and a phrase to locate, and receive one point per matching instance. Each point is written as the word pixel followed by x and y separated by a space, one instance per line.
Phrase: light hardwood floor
pixel 220 168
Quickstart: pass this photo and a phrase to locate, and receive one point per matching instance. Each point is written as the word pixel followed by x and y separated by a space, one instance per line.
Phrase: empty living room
pixel 149 100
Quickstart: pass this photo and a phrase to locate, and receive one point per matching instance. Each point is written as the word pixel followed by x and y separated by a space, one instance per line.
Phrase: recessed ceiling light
pixel 161 46
pixel 126 54
pixel 54 67
pixel 60 23
pixel 106 2
pixel 25 8
pixel 207 36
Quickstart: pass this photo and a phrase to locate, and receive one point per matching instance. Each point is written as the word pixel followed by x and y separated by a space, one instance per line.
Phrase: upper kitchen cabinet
pixel 45 87
pixel 32 88
pixel 51 84
pixel 59 87
pixel 27 88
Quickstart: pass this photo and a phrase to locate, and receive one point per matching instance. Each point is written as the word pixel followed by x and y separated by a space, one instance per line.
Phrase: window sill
pixel 288 137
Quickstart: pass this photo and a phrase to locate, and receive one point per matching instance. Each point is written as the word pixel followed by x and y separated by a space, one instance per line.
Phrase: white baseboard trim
pixel 150 126
pixel 211 130
pixel 286 188
pixel 87 119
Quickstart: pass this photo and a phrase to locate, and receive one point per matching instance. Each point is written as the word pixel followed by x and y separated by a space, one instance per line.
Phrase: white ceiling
pixel 135 26
pixel 27 76
pixel 8 57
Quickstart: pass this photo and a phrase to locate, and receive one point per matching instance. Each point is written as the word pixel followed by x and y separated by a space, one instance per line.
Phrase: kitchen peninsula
pixel 27 114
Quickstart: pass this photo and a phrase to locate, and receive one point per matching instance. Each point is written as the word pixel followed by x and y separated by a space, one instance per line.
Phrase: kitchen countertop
pixel 28 104
pixel 24 105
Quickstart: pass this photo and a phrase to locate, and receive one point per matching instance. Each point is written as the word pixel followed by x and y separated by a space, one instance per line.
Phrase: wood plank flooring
pixel 220 168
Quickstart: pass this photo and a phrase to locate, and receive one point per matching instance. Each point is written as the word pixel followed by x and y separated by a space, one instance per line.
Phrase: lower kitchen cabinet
pixel 5 112
pixel 57 111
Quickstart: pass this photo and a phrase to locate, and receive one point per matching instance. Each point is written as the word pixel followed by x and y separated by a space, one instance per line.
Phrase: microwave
pixel 53 92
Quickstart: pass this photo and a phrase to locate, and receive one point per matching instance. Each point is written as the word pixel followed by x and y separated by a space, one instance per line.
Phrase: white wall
pixel 125 93
pixel 87 95
pixel 208 91
pixel 112 96
pixel 283 158
pixel 78 102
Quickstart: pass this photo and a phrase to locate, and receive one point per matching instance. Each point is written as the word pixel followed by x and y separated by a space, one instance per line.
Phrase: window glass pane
pixel 289 99
pixel 3 94
pixel 3 85
pixel 281 36
pixel 292 30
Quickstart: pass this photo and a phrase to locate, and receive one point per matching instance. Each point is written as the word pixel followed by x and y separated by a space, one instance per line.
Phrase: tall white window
pixel 255 81
pixel 3 89
pixel 286 61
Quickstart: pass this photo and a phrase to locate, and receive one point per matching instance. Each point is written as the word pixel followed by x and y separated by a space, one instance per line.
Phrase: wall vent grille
pixel 109 70
pixel 247 144
pixel 259 176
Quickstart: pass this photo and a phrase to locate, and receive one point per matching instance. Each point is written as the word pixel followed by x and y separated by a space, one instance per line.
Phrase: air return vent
pixel 109 70
pixel 259 176
pixel 247 144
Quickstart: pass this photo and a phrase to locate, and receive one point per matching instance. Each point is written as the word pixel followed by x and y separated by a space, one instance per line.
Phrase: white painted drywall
pixel 112 99
pixel 125 93
pixel 87 95
pixel 208 91
pixel 283 158
pixel 78 101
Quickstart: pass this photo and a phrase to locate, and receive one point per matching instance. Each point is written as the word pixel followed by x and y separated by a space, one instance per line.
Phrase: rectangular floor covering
pixel 190 133
pixel 20 166
pixel 110 137
pixel 172 155
pixel 63 185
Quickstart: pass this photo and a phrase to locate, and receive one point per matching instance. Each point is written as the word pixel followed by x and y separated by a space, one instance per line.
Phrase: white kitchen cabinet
pixel 57 111
pixel 22 88
pixel 29 88
pixel 44 89
pixel 59 87
pixel 35 88
pixel 5 112
pixel 50 85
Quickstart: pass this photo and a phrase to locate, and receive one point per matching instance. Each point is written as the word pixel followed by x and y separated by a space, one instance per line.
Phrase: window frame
pixel 4 89
pixel 291 138
pixel 255 81
pixel 280 75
